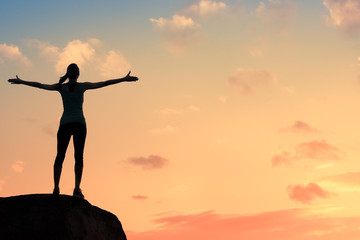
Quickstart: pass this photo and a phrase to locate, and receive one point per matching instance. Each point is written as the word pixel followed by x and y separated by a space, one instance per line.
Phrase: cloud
pixel 300 127
pixel 294 224
pixel 206 7
pixel 48 129
pixel 80 52
pixel 349 181
pixel 278 12
pixel 180 33
pixel 75 51
pixel 283 158
pixel 18 166
pixel 115 65
pixel 149 163
pixel 307 194
pixel 12 53
pixel 178 23
pixel 166 112
pixel 169 111
pixel 46 49
pixel 319 150
pixel 315 150
pixel 344 14
pixel 247 80
pixel 140 197
pixel 164 131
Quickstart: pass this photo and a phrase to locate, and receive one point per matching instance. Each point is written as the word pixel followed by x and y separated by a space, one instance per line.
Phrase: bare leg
pixel 57 174
pixel 78 175
pixel 63 138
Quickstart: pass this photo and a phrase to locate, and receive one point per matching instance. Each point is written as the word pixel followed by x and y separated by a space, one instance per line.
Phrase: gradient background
pixel 244 123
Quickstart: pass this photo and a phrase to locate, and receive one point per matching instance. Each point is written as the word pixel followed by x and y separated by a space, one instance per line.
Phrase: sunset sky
pixel 244 124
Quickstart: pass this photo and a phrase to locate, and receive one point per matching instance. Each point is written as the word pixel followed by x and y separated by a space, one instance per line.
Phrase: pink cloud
pixel 315 150
pixel 319 150
pixel 18 166
pixel 282 158
pixel 293 224
pixel 308 193
pixel 344 14
pixel 247 80
pixel 300 127
pixel 149 163
pixel 140 197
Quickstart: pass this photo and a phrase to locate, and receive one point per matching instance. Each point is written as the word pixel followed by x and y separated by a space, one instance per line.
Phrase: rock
pixel 48 217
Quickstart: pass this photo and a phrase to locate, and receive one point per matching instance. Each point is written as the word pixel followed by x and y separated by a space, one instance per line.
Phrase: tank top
pixel 72 103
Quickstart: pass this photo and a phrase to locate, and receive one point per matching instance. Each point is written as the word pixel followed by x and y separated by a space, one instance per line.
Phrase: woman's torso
pixel 72 103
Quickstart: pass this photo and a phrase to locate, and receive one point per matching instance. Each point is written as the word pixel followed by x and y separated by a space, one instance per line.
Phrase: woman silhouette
pixel 72 122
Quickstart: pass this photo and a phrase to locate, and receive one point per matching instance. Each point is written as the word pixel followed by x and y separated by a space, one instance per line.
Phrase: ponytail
pixel 63 78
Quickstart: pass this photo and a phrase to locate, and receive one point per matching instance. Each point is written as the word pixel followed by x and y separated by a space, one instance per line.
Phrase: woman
pixel 72 122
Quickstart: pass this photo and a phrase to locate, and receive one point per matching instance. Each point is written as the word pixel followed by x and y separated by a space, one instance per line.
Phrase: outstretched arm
pixel 50 87
pixel 127 78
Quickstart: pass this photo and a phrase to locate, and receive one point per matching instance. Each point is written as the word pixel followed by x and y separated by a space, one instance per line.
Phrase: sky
pixel 244 123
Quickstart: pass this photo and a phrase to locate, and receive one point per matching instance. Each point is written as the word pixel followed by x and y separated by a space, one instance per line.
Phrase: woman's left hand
pixel 129 78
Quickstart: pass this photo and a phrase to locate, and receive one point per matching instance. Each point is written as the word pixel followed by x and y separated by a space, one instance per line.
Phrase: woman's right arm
pixel 50 87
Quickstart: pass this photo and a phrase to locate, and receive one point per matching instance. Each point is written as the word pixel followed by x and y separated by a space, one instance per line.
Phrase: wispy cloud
pixel 299 127
pixel 149 163
pixel 12 53
pixel 179 33
pixel 140 197
pixel 249 80
pixel 294 224
pixel 206 7
pixel 167 112
pixel 307 193
pixel 178 23
pixel 18 166
pixel 114 65
pixel 314 150
pixel 164 131
pixel 278 12
pixel 344 14
pixel 349 181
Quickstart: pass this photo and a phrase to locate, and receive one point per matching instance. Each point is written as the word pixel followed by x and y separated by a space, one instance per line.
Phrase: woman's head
pixel 72 73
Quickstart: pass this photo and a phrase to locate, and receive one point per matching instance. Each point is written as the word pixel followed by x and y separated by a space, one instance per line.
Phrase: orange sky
pixel 244 123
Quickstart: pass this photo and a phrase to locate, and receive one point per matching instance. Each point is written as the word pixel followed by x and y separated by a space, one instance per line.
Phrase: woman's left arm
pixel 127 78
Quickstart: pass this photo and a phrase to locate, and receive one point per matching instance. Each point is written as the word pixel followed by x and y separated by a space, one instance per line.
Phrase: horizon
pixel 244 121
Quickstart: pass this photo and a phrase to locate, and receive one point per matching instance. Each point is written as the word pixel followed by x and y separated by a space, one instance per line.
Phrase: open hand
pixel 16 80
pixel 129 78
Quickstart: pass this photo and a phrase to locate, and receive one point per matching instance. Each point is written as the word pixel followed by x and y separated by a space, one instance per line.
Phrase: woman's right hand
pixel 16 80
